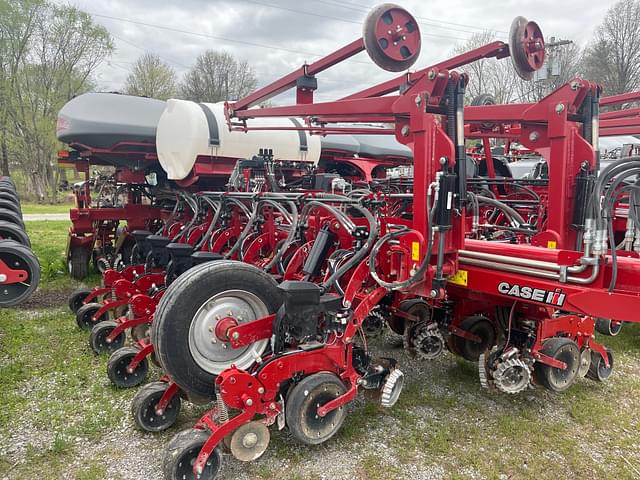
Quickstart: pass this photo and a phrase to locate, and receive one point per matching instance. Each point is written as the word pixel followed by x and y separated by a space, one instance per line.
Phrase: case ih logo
pixel 551 297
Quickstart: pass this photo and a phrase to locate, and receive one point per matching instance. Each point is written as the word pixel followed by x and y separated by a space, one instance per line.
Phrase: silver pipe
pixel 525 262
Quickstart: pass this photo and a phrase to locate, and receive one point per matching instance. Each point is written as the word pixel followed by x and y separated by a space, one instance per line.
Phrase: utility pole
pixel 551 71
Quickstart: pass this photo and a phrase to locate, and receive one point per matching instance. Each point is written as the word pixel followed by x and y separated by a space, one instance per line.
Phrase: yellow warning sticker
pixel 461 277
pixel 415 251
pixel 551 244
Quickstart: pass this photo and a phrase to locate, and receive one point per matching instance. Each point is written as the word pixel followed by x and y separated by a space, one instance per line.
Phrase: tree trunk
pixel 4 161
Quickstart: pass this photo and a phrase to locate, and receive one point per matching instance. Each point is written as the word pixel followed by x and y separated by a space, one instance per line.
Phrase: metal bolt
pixel 389 32
pixel 235 335
pixel 261 390
pixel 533 136
pixel 443 160
pixel 418 100
pixel 405 131
pixel 432 74
pixel 560 108
pixel 434 293
pixel 248 402
pixel 3 278
pixel 575 85
pixel 347 340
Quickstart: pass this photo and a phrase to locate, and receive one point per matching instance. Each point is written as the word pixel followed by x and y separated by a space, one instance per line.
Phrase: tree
pixel 61 52
pixel 216 77
pixel 151 77
pixel 488 75
pixel 613 57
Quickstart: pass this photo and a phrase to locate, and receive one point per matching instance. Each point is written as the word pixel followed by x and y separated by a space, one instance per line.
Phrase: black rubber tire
pixel 11 205
pixel 556 379
pixel 84 314
pixel 302 404
pixel 76 300
pixel 9 195
pixel 11 231
pixel 476 325
pixel 397 323
pixel 598 372
pixel 182 451
pixel 117 368
pixel 78 262
pixel 99 334
pixel 608 327
pixel 11 217
pixel 183 298
pixel 143 408
pixel 17 256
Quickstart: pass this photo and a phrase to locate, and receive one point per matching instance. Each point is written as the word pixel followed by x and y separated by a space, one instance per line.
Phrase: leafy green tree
pixel 151 77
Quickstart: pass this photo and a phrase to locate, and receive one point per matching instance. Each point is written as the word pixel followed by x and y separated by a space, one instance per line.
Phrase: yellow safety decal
pixel 461 277
pixel 551 244
pixel 415 251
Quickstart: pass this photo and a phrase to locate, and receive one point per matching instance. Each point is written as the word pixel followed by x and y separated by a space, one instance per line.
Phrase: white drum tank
pixel 187 130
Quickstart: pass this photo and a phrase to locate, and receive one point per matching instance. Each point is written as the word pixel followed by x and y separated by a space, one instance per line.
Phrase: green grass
pixel 49 243
pixel 33 208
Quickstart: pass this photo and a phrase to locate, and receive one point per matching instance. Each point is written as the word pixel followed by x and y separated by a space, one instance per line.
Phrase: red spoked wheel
pixel 392 37
pixel 526 44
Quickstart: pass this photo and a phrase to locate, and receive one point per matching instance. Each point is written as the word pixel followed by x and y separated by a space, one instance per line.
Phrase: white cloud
pixel 254 22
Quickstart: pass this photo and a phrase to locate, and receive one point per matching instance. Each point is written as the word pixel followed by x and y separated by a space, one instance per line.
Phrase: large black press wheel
pixel 184 329
pixel 17 257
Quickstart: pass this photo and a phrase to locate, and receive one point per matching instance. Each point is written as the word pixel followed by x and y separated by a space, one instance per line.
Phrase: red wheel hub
pixel 534 45
pixel 397 34
pixel 222 328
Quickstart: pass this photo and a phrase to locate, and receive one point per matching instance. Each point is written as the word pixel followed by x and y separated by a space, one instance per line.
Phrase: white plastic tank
pixel 187 130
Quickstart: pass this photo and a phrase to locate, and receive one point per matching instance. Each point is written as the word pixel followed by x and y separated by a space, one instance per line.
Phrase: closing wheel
pixel 76 300
pixel 145 414
pixel 11 231
pixel 526 45
pixel 302 405
pixel 598 371
pixel 184 327
pixel 84 316
pixel 479 326
pixel 78 262
pixel 391 37
pixel 181 453
pixel 119 372
pixel 564 350
pixel 249 441
pixel 608 327
pixel 21 276
pixel 98 338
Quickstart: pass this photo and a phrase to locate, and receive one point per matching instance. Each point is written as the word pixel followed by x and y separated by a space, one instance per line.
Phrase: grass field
pixel 34 208
pixel 60 418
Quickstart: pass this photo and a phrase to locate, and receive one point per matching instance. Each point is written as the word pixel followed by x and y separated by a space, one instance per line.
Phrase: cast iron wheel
pixel 185 320
pixel 143 408
pixel 11 231
pixel 18 257
pixel 99 334
pixel 598 371
pixel 526 45
pixel 11 217
pixel 556 379
pixel 117 368
pixel 84 316
pixel 303 402
pixel 78 262
pixel 140 332
pixel 391 37
pixel 182 452
pixel 608 327
pixel 477 325
pixel 76 300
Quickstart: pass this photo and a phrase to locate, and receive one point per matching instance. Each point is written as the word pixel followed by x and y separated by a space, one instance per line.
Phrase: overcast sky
pixel 280 35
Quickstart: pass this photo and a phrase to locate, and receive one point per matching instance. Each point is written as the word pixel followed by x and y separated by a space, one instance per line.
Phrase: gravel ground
pixel 445 426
